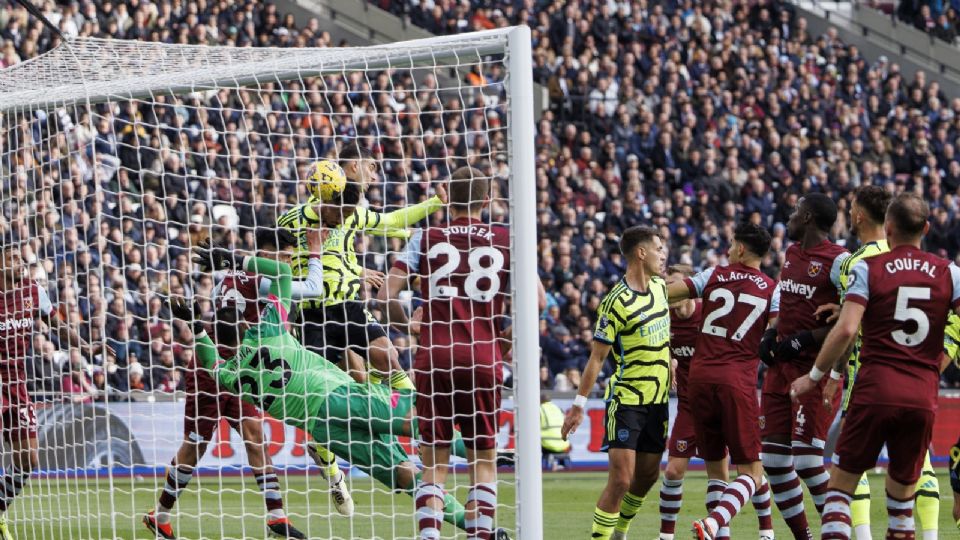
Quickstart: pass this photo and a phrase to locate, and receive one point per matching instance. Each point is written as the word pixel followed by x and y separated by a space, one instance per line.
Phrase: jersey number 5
pixel 904 313
pixel 477 272
pixel 725 296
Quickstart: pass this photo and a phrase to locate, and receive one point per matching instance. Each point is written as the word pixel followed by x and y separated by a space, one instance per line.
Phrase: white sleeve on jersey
pixel 835 270
pixel 955 277
pixel 858 282
pixel 775 300
pixel 300 289
pixel 700 280
pixel 411 254
pixel 46 306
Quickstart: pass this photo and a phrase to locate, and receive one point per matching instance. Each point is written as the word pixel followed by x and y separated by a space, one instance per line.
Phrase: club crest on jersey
pixel 814 269
pixel 681 446
pixel 28 303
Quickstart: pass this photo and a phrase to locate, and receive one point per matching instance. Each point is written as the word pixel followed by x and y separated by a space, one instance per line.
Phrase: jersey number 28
pixel 478 271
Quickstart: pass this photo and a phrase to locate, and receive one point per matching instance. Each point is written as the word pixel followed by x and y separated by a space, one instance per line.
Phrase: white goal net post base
pixel 114 118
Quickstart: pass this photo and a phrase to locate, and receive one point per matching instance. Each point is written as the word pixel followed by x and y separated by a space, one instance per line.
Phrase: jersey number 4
pixel 477 272
pixel 729 302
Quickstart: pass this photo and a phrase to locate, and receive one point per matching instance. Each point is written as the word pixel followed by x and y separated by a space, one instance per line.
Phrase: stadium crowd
pixel 687 115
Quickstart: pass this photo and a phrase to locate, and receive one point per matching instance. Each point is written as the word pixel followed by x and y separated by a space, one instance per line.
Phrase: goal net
pixel 119 157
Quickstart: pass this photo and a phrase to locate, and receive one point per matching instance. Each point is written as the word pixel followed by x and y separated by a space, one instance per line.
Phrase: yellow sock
pixel 399 380
pixel 928 497
pixel 329 460
pixel 603 524
pixel 860 506
pixel 628 510
pixel 374 378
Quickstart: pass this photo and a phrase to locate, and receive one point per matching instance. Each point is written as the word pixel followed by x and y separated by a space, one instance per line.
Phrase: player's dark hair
pixel 874 200
pixel 278 239
pixel 823 209
pixel 350 196
pixel 634 236
pixel 684 269
pixel 354 150
pixel 753 237
pixel 226 327
pixel 469 188
pixel 909 213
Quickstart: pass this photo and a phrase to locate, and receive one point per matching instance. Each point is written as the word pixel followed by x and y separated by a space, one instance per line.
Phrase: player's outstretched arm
pixel 404 217
pixel 279 273
pixel 677 290
pixel 574 416
pixel 834 347
pixel 206 351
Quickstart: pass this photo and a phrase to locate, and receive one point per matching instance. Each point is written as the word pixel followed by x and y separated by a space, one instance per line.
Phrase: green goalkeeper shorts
pixel 360 423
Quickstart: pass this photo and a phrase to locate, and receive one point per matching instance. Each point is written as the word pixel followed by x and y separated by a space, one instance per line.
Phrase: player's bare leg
pixel 178 476
pixel 385 361
pixel 620 475
pixel 429 493
pixel 278 524
pixel 25 460
pixel 352 363
pixel 727 505
pixel 646 472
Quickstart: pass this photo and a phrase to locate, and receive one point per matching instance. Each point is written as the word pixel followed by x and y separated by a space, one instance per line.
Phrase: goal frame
pixel 24 90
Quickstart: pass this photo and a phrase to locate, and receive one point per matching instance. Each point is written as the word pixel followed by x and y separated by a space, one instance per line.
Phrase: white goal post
pixel 51 111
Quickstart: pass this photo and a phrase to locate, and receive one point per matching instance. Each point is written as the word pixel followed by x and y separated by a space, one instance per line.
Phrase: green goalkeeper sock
pixel 628 510
pixel 453 512
pixel 458 448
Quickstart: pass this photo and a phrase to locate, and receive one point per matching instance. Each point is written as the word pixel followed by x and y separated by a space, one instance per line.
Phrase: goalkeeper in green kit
pixel 272 370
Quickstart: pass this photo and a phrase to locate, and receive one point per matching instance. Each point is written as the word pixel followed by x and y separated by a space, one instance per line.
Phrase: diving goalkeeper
pixel 275 372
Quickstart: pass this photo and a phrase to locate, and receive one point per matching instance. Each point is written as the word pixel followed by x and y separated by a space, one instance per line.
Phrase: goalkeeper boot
pixel 337 481
pixel 281 528
pixel 501 534
pixel 5 533
pixel 164 531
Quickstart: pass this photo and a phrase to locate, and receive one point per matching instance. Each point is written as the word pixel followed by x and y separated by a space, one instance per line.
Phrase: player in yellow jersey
pixel 866 221
pixel 340 323
pixel 633 322
pixel 951 349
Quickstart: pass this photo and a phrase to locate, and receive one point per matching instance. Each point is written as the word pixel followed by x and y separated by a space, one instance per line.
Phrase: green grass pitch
pixel 232 508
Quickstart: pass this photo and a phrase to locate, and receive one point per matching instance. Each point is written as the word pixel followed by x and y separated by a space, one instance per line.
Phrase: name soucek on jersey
pixel 637 326
pixel 810 278
pixel 738 303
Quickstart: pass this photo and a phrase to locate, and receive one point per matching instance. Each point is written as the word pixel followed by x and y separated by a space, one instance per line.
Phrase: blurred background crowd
pixel 687 115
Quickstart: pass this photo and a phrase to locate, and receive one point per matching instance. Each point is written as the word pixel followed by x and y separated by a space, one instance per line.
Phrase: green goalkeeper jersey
pixel 271 369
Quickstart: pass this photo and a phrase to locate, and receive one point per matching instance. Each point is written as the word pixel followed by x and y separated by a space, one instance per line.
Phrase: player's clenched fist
pixel 571 421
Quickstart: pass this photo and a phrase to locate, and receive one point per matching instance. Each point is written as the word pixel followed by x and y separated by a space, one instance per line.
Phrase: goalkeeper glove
pixel 182 309
pixel 767 345
pixel 214 257
pixel 793 346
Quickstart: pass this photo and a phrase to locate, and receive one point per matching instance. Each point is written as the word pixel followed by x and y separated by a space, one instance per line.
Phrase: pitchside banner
pixel 144 436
